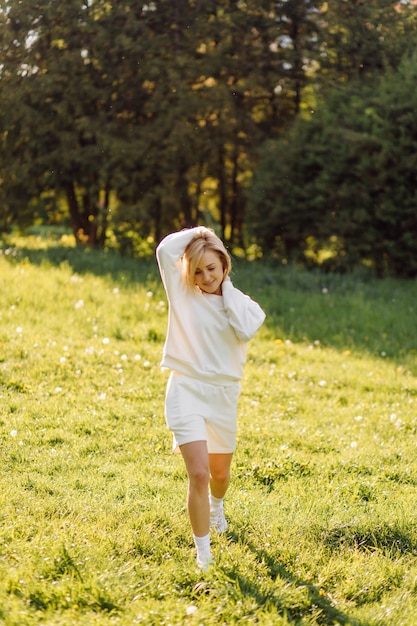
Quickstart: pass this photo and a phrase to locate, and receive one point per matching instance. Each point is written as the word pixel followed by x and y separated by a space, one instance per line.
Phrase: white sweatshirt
pixel 207 334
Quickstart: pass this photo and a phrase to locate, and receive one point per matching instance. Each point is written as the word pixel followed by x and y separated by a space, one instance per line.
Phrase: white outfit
pixel 206 340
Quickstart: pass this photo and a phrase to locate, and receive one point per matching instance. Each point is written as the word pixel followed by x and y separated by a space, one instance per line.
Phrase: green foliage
pixel 130 119
pixel 142 101
pixel 363 39
pixel 345 180
pixel 63 75
pixel 94 527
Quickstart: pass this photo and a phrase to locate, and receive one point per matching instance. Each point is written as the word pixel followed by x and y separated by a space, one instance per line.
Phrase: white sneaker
pixel 204 561
pixel 218 521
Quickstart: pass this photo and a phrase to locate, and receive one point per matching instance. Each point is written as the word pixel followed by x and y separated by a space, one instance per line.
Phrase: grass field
pixel 322 506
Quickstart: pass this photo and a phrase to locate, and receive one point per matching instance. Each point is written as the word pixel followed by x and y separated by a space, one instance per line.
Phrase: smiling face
pixel 205 262
pixel 209 273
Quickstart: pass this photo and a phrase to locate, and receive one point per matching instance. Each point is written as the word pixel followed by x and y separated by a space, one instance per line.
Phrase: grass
pixel 94 531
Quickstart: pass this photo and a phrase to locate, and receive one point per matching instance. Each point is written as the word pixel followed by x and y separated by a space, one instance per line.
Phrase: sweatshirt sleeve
pixel 168 256
pixel 245 315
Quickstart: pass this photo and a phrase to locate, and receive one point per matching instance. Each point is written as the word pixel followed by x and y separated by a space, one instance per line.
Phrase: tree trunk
pixel 184 196
pixel 235 202
pixel 85 221
pixel 74 211
pixel 222 192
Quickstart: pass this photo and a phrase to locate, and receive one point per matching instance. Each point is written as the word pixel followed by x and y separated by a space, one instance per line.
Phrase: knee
pixel 199 477
pixel 221 476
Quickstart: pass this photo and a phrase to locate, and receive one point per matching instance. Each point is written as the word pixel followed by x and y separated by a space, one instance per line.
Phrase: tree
pixel 68 97
pixel 362 38
pixel 211 101
pixel 353 191
pixel 148 116
pixel 297 40
pixel 151 103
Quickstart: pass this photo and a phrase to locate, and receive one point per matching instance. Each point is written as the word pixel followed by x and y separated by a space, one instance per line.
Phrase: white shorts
pixel 200 411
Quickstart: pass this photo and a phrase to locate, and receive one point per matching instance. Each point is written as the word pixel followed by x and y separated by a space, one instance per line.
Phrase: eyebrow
pixel 208 265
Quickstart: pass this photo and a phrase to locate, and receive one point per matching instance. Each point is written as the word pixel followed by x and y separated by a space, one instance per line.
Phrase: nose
pixel 206 275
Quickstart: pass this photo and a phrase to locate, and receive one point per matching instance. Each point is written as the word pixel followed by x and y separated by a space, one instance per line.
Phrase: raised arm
pixel 169 253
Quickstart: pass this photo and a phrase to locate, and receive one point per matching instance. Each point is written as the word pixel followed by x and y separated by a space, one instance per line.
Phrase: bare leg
pixel 197 464
pixel 219 473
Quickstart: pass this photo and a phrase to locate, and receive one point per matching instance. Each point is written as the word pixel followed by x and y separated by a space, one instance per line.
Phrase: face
pixel 209 273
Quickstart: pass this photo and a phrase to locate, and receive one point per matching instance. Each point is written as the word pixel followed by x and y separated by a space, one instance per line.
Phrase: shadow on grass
pixel 86 261
pixel 389 539
pixel 319 605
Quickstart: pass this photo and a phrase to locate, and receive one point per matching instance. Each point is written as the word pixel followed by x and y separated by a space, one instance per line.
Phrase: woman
pixel 209 325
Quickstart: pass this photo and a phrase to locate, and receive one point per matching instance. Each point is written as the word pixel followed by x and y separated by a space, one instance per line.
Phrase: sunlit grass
pixel 321 508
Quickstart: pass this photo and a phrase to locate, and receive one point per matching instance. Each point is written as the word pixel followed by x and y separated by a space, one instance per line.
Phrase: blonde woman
pixel 209 325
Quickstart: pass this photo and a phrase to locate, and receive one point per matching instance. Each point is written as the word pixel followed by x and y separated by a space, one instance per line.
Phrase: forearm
pixel 244 314
pixel 172 247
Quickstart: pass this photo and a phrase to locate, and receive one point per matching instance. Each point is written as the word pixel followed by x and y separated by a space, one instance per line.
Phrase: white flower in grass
pixel 398 423
pixel 106 340
pixel 102 396
pixel 19 330
pixel 146 364
pixel 79 304
pixel 149 294
pixel 137 357
pixel 323 383
pixel 58 389
pixel 353 444
pixel 13 433
pixel 191 610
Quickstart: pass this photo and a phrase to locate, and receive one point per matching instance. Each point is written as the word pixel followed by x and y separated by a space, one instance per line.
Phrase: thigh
pixel 196 458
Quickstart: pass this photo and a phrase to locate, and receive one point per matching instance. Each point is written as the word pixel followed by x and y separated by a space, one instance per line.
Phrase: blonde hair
pixel 204 240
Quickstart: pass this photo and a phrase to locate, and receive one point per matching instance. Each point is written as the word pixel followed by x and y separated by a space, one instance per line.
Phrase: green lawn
pixel 322 506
